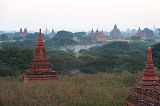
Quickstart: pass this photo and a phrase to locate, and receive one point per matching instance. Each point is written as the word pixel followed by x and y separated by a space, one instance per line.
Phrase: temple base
pixel 144 97
pixel 40 76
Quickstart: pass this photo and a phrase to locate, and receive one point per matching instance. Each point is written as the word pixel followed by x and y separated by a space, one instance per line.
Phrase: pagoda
pixel 21 33
pixel 40 69
pixel 145 34
pixel 148 92
pixel 97 36
pixel 101 37
pixel 115 33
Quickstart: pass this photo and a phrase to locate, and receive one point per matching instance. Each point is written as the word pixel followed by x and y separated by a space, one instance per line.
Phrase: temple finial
pixel 149 73
pixel 40 36
pixel 115 26
pixel 40 30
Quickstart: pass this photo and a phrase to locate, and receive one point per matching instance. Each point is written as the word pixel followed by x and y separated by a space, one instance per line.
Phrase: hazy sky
pixel 78 15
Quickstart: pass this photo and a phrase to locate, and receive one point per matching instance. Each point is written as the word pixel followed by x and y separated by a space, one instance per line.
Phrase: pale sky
pixel 78 15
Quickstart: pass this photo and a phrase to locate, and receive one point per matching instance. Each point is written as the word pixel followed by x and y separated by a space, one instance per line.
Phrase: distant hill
pixel 2 32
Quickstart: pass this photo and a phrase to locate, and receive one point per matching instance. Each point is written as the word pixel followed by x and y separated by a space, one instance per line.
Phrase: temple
pixel 40 69
pixel 145 34
pixel 148 92
pixel 98 36
pixel 115 33
pixel 21 33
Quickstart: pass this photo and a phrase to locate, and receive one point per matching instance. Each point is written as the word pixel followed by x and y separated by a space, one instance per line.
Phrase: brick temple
pixel 145 34
pixel 148 92
pixel 40 69
pixel 115 33
pixel 21 33
pixel 98 36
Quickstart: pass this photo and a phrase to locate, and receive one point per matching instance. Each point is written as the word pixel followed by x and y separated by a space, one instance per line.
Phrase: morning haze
pixel 78 15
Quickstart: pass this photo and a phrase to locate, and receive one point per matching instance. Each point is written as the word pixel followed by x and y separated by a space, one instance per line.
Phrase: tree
pixel 156 54
pixel 85 40
pixel 86 64
pixel 135 38
pixel 7 72
pixel 63 63
pixel 132 65
pixel 17 38
pixel 64 34
pixel 57 42
pixel 23 44
pixel 16 58
pixel 150 41
pixel 34 36
pixel 106 63
pixel 79 34
pixel 3 37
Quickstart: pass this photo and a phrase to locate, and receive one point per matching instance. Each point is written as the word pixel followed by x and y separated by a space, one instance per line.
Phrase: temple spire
pixel 149 73
pixel 40 69
pixel 40 51
pixel 92 31
pixel 115 26
pixel 40 39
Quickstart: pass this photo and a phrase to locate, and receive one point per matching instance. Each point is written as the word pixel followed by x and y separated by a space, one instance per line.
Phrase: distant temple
pixel 148 92
pixel 52 34
pixel 146 33
pixel 115 33
pixel 52 31
pixel 40 69
pixel 46 31
pixel 98 36
pixel 21 33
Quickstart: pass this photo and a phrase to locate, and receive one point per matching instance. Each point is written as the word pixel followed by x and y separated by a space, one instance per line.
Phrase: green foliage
pixel 79 34
pixel 51 52
pixel 17 38
pixel 150 41
pixel 128 53
pixel 132 49
pixel 23 44
pixel 86 58
pixel 7 72
pixel 135 38
pixel 87 64
pixel 4 37
pixel 106 63
pixel 64 34
pixel 85 40
pixel 34 36
pixel 16 58
pixel 156 55
pixel 132 65
pixel 57 42
pixel 63 63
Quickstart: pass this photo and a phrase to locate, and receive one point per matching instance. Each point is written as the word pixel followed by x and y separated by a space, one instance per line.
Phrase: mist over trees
pixel 110 57
pixel 113 57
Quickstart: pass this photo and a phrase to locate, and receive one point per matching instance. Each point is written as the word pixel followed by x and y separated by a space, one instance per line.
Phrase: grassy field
pixel 80 90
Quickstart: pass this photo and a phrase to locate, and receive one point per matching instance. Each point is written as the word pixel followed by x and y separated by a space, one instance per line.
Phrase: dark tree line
pixel 113 57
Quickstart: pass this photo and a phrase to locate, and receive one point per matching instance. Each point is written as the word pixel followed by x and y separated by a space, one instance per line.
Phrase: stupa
pixel 115 33
pixel 148 92
pixel 40 69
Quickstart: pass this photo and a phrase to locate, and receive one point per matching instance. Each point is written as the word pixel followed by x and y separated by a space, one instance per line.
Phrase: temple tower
pixel 139 30
pixel 149 77
pixel 148 92
pixel 25 31
pixel 40 69
pixel 115 33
